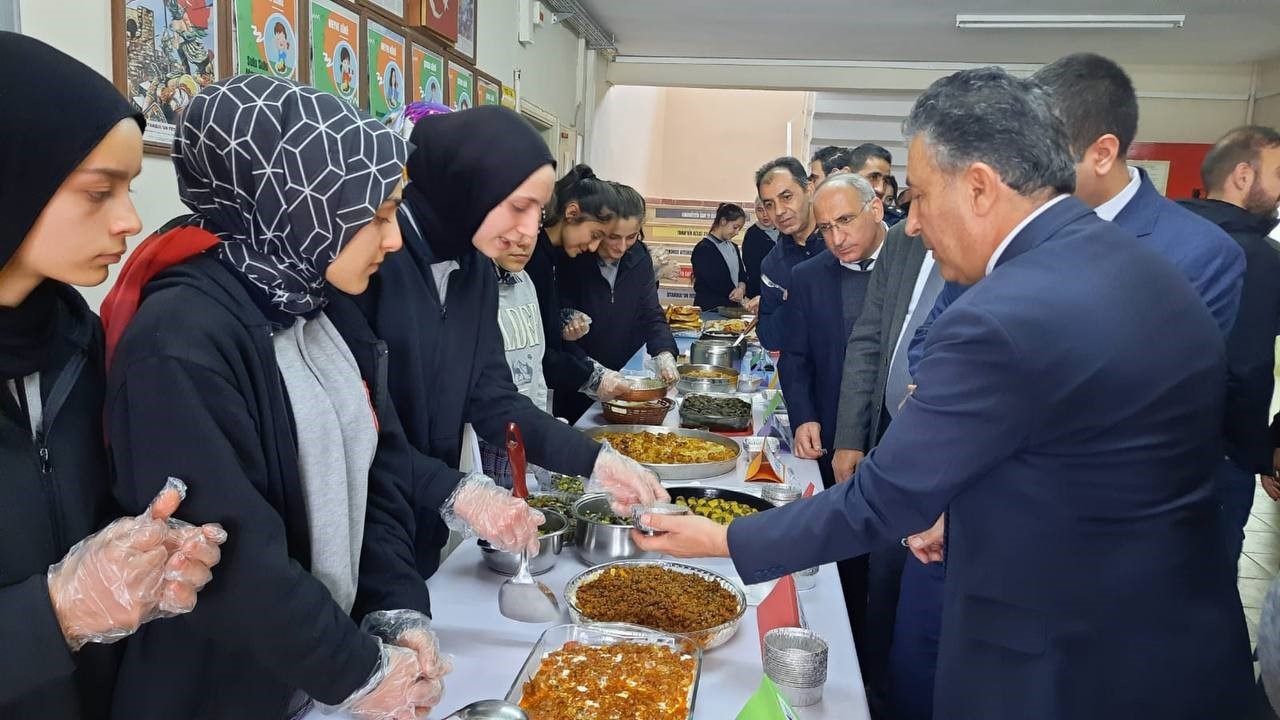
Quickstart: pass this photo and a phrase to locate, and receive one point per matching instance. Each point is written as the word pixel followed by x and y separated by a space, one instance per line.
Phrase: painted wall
pixel 82 28
pixel 1177 103
pixel 548 67
pixel 697 144
pixel 1267 109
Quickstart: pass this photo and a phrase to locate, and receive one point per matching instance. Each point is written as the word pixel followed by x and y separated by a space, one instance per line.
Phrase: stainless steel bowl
pixel 712 637
pixel 716 350
pixel 550 544
pixel 599 542
pixel 726 383
pixel 675 471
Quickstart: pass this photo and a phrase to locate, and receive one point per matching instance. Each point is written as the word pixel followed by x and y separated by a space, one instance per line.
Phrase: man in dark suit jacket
pixel 900 294
pixel 1242 176
pixel 1098 104
pixel 827 299
pixel 828 292
pixel 1070 443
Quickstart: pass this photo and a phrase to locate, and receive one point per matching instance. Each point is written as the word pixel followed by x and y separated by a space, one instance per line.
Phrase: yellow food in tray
pixel 626 680
pixel 666 448
pixel 718 509
pixel 728 326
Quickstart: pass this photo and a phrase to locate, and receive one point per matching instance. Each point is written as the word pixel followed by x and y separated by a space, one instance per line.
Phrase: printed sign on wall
pixel 386 70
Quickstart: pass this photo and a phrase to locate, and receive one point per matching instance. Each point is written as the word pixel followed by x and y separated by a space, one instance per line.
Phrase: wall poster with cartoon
pixel 387 64
pixel 165 52
pixel 335 50
pixel 460 84
pixel 267 37
pixel 428 75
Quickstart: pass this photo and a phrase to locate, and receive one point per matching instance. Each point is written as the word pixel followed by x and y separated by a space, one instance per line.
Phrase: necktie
pixel 865 264
pixel 895 390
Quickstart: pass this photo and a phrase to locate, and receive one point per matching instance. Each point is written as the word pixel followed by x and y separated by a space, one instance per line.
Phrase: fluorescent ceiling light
pixel 1086 22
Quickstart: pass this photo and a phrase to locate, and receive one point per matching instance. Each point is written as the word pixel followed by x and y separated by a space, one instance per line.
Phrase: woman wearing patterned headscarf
pixel 66 591
pixel 231 372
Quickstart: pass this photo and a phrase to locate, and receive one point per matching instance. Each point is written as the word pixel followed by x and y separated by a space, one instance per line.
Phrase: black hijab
pixel 40 149
pixel 462 166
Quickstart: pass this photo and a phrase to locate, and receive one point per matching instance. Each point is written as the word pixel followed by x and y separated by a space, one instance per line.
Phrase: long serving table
pixel 489 649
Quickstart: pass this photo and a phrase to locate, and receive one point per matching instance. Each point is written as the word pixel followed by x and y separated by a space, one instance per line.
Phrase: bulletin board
pixel 1184 160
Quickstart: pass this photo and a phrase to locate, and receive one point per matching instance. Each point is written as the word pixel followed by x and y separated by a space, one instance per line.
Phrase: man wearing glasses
pixel 828 291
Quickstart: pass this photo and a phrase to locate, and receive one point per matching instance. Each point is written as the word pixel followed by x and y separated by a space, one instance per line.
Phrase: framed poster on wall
pixel 428 75
pixel 386 51
pixel 461 82
pixel 441 18
pixel 466 42
pixel 335 50
pixel 163 53
pixel 266 35
pixel 488 92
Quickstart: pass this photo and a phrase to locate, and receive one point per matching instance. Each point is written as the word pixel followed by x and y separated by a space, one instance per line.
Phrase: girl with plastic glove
pixel 478 183
pixel 73 577
pixel 235 372
pixel 616 285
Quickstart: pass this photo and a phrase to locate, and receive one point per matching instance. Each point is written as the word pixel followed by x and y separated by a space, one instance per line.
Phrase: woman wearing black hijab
pixel 478 180
pixel 233 373
pixel 65 214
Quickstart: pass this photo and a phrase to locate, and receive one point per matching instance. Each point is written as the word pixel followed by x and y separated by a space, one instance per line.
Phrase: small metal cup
pixel 639 511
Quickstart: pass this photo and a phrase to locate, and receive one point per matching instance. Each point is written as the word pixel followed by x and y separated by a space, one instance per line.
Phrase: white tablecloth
pixel 489 649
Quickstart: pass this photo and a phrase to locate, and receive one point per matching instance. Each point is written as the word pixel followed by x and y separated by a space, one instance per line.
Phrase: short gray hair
pixel 848 181
pixel 987 115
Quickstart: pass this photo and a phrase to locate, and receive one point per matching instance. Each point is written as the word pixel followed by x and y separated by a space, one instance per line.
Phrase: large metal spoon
pixel 522 598
pixel 489 710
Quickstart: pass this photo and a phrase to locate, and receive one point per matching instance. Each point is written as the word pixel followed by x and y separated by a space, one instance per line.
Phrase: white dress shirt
pixel 926 266
pixel 1004 244
pixel 1111 208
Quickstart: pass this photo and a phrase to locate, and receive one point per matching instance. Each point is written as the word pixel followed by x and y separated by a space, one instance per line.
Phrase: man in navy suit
pixel 827 296
pixel 1066 416
pixel 1099 107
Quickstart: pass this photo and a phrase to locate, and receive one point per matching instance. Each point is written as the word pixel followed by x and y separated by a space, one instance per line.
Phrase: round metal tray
pixel 726 384
pixel 716 422
pixel 706 639
pixel 702 491
pixel 677 471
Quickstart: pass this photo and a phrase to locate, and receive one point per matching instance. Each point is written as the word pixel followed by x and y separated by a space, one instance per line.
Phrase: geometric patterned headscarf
pixel 284 175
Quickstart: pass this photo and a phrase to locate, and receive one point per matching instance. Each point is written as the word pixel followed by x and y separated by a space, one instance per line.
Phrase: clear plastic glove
pixel 397 689
pixel 625 481
pixel 411 629
pixel 478 507
pixel 115 580
pixel 738 293
pixel 667 371
pixel 752 305
pixel 576 324
pixel 612 385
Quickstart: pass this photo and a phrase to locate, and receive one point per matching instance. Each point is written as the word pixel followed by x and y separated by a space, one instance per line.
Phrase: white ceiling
pixel 1216 31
